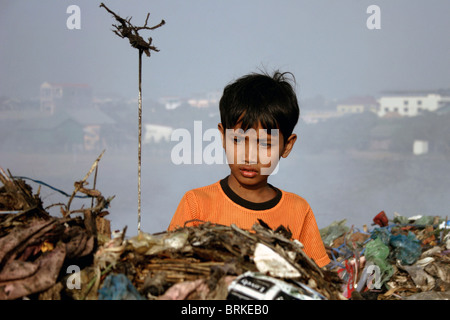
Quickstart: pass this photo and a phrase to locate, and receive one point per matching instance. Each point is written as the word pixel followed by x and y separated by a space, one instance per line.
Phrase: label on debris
pixel 256 286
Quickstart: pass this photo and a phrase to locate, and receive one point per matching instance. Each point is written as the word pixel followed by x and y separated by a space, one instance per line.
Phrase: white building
pixel 410 104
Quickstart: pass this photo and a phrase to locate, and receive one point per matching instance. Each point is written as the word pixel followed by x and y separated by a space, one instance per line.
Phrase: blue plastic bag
pixel 118 287
pixel 406 248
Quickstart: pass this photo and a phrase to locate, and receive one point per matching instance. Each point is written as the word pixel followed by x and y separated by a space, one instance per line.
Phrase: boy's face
pixel 254 154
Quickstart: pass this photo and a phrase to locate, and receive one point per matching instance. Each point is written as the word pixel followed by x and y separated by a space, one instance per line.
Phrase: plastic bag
pixel 118 287
pixel 348 277
pixel 407 248
pixel 399 219
pixel 333 231
pixel 426 221
pixel 383 234
pixel 377 252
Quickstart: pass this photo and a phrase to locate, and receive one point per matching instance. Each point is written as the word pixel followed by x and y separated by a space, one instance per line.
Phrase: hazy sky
pixel 207 43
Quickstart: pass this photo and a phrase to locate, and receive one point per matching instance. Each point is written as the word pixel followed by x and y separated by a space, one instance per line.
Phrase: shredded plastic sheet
pixel 269 262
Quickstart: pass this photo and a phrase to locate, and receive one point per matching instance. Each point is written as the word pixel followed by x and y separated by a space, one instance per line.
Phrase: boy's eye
pixel 264 144
pixel 237 140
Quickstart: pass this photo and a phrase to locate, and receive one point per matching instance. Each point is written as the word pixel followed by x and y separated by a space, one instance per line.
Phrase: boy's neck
pixel 257 193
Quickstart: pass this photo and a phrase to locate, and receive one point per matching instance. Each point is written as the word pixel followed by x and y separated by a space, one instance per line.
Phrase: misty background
pixel 347 166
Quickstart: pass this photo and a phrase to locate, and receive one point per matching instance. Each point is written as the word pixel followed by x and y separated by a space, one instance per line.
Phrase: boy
pixel 258 114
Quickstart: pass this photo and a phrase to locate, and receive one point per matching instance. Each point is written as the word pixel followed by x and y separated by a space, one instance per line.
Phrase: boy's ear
pixel 289 145
pixel 222 133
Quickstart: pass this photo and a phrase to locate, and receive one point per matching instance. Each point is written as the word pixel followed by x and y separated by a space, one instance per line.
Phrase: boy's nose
pixel 251 152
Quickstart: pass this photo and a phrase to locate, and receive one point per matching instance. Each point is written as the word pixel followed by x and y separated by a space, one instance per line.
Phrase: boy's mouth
pixel 248 171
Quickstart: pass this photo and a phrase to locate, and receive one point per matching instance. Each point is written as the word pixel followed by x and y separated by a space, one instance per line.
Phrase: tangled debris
pixel 399 259
pixel 36 248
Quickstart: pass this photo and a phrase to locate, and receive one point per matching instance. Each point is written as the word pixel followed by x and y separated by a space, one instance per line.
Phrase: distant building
pixel 66 130
pixel 59 96
pixel 8 104
pixel 410 104
pixel 354 105
pixel 170 103
pixel 199 103
pixel 209 99
pixel 316 117
pixel 203 101
pixel 156 133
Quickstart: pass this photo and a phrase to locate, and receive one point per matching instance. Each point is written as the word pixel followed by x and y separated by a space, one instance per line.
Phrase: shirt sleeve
pixel 187 210
pixel 313 243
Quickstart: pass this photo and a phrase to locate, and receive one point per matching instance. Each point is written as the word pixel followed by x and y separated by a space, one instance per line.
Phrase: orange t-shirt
pixel 217 203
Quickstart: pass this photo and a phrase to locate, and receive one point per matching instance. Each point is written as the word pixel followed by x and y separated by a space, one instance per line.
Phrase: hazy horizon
pixel 206 44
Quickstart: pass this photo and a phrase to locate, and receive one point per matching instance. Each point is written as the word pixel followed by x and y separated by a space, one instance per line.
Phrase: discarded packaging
pixel 257 286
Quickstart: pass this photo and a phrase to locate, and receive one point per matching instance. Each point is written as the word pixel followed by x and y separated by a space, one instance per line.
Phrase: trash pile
pixel 210 262
pixel 51 258
pixel 78 257
pixel 406 258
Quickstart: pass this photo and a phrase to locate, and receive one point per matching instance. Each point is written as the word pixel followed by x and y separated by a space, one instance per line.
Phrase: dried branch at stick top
pixel 126 30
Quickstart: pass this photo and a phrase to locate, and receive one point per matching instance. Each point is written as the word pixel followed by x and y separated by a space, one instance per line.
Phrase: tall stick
pixel 139 141
pixel 126 30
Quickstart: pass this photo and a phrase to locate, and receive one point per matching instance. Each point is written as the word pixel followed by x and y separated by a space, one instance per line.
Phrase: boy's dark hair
pixel 255 98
